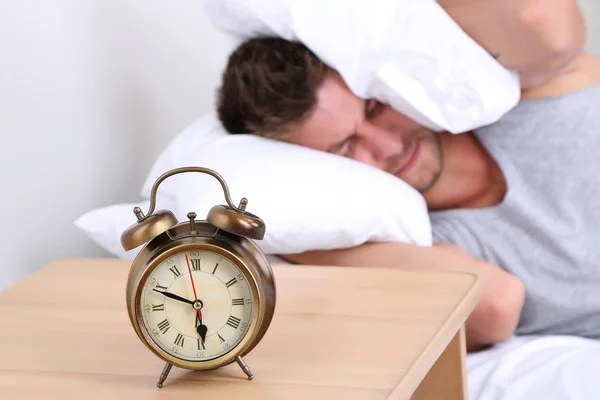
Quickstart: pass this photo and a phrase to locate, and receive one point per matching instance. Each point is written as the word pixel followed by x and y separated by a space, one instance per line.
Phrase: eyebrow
pixel 338 145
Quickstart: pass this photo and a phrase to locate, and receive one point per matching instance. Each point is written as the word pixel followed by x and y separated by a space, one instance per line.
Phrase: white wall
pixel 90 91
pixel 591 9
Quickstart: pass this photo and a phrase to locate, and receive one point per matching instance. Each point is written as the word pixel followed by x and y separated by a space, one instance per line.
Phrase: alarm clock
pixel 200 294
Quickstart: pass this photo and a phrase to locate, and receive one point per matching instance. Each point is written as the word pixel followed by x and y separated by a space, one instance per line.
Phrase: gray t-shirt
pixel 546 230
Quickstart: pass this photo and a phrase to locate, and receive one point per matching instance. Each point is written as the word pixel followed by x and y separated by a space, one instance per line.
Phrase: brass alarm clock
pixel 200 294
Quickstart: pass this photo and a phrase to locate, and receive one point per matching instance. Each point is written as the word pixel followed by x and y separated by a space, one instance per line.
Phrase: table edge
pixel 417 372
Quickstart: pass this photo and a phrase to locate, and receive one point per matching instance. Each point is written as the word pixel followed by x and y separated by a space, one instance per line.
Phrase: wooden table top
pixel 337 333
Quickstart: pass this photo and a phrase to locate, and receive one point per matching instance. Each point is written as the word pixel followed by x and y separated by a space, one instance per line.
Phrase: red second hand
pixel 193 286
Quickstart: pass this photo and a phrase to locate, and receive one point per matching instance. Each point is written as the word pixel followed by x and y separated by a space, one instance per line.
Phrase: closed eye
pixel 372 108
pixel 347 146
pixel 344 147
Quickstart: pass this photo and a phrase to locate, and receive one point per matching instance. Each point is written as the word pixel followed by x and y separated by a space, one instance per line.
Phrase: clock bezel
pixel 242 252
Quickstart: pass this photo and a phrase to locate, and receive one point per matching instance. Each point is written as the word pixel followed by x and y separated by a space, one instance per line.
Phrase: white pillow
pixel 407 53
pixel 105 225
pixel 308 199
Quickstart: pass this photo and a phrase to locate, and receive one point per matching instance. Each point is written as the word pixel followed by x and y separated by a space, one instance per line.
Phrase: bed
pixel 528 367
pixel 536 367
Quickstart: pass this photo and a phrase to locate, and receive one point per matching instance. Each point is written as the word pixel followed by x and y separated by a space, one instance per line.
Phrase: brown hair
pixel 268 87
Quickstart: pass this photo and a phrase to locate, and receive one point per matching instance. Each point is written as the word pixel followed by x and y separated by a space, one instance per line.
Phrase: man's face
pixel 371 133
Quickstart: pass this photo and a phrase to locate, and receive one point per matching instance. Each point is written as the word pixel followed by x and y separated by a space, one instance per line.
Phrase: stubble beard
pixel 431 150
pixel 437 155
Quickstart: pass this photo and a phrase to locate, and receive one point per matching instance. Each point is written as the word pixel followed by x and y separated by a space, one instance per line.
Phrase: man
pixel 535 38
pixel 498 193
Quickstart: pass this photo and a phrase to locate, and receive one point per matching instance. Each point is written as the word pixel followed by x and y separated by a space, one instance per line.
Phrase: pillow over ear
pixel 409 54
pixel 308 199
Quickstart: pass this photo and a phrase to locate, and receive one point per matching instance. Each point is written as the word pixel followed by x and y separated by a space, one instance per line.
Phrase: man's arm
pixel 496 316
pixel 537 38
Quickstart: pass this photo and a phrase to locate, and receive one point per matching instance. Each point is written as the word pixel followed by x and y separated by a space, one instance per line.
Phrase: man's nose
pixel 383 144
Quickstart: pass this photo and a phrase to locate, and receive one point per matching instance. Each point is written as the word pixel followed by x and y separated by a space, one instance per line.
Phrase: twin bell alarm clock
pixel 200 293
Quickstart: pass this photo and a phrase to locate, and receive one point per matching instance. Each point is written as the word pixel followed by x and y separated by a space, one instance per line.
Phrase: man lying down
pixel 515 202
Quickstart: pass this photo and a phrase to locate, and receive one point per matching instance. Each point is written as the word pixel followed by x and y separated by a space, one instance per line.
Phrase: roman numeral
pixel 220 338
pixel 160 307
pixel 231 282
pixel 158 285
pixel 215 270
pixel 233 322
pixel 201 345
pixel 179 340
pixel 164 326
pixel 175 271
pixel 195 264
pixel 237 302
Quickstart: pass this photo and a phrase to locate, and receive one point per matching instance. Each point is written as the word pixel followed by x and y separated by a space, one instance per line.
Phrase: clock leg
pixel 244 367
pixel 163 376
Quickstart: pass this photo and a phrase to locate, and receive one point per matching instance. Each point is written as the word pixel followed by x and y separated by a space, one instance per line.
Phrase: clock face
pixel 197 305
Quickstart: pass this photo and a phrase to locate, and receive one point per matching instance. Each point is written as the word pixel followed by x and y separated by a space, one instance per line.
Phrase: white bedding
pixel 536 367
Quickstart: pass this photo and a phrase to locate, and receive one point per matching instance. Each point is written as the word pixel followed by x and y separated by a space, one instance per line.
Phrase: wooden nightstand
pixel 338 333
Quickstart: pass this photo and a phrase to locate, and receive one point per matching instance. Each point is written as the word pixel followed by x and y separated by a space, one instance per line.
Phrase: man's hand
pixel 496 316
pixel 537 38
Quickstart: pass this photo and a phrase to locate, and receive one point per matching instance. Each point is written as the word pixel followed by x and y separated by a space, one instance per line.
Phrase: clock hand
pixel 197 304
pixel 175 297
pixel 201 329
